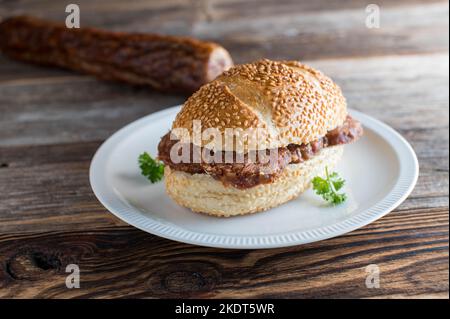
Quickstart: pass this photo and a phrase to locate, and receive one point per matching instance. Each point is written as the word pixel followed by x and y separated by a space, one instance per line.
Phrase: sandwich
pixel 254 138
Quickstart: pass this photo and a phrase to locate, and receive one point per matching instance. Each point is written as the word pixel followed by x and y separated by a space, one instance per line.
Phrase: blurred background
pixel 283 29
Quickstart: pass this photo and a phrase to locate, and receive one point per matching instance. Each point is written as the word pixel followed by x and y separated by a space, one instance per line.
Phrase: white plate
pixel 380 170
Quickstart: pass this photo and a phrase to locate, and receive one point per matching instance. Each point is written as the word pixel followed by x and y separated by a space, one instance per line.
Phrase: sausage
pixel 165 63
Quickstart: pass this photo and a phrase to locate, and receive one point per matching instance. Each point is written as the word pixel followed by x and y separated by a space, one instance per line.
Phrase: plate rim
pixel 403 187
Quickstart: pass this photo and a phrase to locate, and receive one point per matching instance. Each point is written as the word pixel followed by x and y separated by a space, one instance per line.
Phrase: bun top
pixel 284 102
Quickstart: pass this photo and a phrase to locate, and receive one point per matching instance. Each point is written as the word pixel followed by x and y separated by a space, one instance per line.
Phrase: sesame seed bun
pixel 202 193
pixel 288 101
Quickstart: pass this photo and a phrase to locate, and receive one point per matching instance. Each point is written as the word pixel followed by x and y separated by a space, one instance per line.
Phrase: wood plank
pixel 121 261
pixel 46 187
pixel 61 110
pixel 67 110
pixel 49 186
pixel 100 12
pixel 327 34
pixel 52 121
pixel 277 30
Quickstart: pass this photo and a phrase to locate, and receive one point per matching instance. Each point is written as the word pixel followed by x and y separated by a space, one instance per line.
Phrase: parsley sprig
pixel 151 168
pixel 328 188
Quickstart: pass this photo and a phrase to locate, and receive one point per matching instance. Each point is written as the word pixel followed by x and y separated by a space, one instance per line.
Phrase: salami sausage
pixel 165 63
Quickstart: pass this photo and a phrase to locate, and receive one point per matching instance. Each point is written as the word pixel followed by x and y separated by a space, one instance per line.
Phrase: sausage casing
pixel 165 63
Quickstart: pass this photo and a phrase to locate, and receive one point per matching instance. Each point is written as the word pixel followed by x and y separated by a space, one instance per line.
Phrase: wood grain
pixel 91 110
pixel 52 121
pixel 120 261
pixel 277 30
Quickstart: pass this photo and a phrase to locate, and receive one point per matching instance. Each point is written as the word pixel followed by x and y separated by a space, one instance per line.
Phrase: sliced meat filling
pixel 259 167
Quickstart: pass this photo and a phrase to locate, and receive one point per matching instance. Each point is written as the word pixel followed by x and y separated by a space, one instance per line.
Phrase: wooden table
pixel 52 122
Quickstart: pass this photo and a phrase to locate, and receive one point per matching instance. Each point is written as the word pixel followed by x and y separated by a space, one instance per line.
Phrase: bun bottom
pixel 203 194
